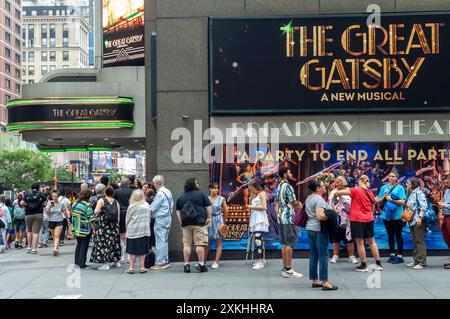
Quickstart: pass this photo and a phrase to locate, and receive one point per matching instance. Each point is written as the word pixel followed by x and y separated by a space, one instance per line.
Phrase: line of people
pixel 132 218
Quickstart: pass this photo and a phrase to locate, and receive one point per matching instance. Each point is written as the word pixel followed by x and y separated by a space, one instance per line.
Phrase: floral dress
pixel 106 247
pixel 216 218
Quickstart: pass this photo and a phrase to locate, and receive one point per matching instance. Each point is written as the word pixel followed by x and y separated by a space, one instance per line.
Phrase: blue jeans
pixel 161 230
pixel 318 255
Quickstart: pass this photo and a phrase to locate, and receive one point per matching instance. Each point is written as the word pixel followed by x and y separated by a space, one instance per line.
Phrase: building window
pixel 31 56
pixel 44 42
pixel 52 30
pixel 7 68
pixel 31 70
pixel 44 35
pixel 18 29
pixel 31 35
pixel 24 56
pixel 17 43
pixel 65 66
pixel 31 81
pixel 17 13
pixel 17 58
pixel 17 88
pixel 8 5
pixel 7 37
pixel 65 42
pixel 8 22
pixel 17 73
pixel 8 53
pixel 44 69
pixel 44 56
pixel 52 56
pixel 7 97
pixel 7 83
pixel 24 71
pixel 65 55
pixel 52 42
pixel 52 67
pixel 34 13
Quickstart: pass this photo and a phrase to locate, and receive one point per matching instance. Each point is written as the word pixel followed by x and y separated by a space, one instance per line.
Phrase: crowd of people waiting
pixel 133 218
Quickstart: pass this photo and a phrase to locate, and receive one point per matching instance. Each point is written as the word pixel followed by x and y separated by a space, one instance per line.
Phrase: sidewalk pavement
pixel 45 276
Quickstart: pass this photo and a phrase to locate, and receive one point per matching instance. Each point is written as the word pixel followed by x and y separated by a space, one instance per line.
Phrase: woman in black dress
pixel 106 247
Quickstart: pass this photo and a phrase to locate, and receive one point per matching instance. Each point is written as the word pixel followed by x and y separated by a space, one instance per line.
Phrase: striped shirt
pixel 82 218
pixel 286 195
pixel 138 221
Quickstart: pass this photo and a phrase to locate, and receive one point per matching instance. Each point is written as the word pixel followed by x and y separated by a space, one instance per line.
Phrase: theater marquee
pixel 70 113
pixel 316 64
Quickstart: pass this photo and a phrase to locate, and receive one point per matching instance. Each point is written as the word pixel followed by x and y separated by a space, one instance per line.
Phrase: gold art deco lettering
pixel 85 113
pixel 377 58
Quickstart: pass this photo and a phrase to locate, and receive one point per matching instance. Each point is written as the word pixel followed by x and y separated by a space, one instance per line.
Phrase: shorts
pixel 34 223
pixel 195 236
pixel 20 225
pixel 288 234
pixel 340 236
pixel 122 225
pixel 362 230
pixel 53 225
pixel 10 231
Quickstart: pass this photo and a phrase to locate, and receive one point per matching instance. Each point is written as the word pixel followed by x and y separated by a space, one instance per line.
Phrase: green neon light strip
pixel 123 100
pixel 92 125
pixel 59 150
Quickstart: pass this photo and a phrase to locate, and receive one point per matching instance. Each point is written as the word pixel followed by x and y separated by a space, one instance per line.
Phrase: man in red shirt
pixel 361 221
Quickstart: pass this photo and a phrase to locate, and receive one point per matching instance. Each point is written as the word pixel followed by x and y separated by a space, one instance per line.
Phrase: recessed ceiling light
pixel 106 139
pixel 112 142
pixel 91 144
pixel 82 141
pixel 136 141
pixel 50 140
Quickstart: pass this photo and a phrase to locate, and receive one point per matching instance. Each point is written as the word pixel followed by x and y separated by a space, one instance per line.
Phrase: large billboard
pixel 123 33
pixel 428 161
pixel 317 64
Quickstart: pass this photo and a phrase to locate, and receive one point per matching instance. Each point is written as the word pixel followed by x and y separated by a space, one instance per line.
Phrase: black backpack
pixel 189 214
pixel 110 211
pixel 34 201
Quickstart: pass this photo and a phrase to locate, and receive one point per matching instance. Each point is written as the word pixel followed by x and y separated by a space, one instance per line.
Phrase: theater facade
pixel 337 88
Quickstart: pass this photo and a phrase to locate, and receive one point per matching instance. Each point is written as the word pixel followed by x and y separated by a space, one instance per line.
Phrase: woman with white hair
pixel 138 230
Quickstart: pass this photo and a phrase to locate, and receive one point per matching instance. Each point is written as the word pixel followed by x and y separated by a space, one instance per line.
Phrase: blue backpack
pixel 430 217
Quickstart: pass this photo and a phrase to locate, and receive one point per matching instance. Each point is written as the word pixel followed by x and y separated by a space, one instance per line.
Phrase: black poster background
pixel 249 71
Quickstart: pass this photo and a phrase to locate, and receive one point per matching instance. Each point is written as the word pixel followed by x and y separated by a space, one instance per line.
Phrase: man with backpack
pixel 161 208
pixel 34 202
pixel 19 220
pixel 194 213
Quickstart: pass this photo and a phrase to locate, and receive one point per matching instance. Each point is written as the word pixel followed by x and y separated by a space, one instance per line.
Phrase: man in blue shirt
pixel 162 207
pixel 392 196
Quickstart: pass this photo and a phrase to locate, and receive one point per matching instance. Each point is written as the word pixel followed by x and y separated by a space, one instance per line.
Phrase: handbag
pixel 407 216
pixel 149 259
pixel 301 217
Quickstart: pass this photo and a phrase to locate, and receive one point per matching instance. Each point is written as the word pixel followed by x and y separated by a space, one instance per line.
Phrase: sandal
pixel 447 266
pixel 316 285
pixel 130 271
pixel 329 288
pixel 143 271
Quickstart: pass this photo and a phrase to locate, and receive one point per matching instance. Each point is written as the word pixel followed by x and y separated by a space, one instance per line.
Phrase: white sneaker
pixel 214 265
pixel 104 267
pixel 291 274
pixel 352 260
pixel 117 265
pixel 418 267
pixel 411 264
pixel 334 259
pixel 258 265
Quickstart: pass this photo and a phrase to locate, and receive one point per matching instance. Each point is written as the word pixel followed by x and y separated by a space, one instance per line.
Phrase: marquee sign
pixel 317 64
pixel 70 113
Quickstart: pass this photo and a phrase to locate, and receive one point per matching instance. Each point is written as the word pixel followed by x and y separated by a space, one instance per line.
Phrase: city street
pixel 44 276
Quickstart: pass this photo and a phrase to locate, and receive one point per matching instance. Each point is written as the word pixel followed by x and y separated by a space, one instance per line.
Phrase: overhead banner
pixel 70 113
pixel 123 33
pixel 427 161
pixel 338 128
pixel 316 64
